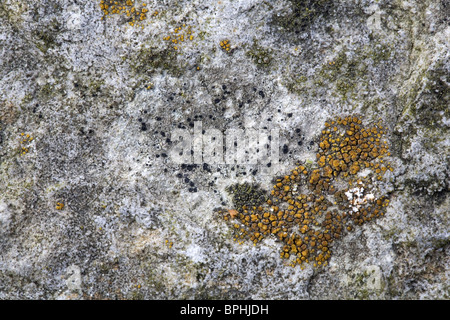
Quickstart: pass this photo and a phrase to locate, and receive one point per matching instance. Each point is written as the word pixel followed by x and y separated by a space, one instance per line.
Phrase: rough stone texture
pixel 136 225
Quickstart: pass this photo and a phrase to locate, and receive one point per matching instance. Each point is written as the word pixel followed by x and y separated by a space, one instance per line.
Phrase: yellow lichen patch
pixel 168 243
pixel 179 35
pixel 225 45
pixel 25 143
pixel 308 210
pixel 127 8
pixel 59 206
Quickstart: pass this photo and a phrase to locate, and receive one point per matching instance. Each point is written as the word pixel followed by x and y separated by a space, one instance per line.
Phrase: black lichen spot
pixel 188 167
pixel 206 167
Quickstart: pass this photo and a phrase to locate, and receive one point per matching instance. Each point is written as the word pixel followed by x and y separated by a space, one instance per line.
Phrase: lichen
pixel 435 98
pixel 12 12
pixel 344 74
pixel 312 207
pixel 180 34
pixel 225 45
pixel 149 59
pixel 304 13
pixel 128 8
pixel 25 143
pixel 261 56
pixel 47 40
pixel 46 91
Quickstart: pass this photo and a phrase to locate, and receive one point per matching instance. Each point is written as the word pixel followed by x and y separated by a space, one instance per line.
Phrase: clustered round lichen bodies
pixel 59 206
pixel 24 143
pixel 179 35
pixel 127 7
pixel 311 207
pixel 225 45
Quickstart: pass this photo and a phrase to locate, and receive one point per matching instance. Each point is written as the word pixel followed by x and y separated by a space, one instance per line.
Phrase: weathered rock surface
pixel 92 205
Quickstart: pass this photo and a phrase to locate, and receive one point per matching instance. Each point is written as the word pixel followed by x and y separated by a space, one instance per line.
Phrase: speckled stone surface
pixel 93 205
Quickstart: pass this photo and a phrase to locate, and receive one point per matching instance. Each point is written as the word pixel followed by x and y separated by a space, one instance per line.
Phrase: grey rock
pixel 101 100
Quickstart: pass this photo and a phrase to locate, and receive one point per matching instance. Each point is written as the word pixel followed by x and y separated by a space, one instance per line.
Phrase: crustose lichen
pixel 126 7
pixel 310 208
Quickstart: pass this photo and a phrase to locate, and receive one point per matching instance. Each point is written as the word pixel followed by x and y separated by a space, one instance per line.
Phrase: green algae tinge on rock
pixel 310 208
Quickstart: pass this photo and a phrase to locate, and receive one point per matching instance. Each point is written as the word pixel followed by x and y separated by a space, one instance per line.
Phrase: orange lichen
pixel 307 213
pixel 225 45
pixel 179 35
pixel 169 244
pixel 25 143
pixel 125 7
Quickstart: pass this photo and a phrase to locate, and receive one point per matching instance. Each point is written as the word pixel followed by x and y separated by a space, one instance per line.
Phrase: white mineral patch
pixel 5 215
pixel 73 278
pixel 195 253
pixel 357 197
pixel 75 19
